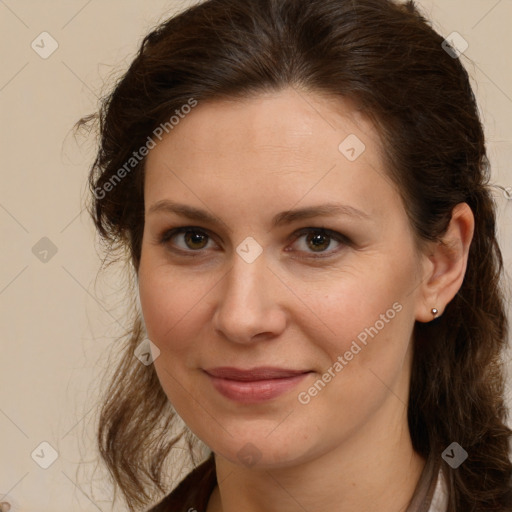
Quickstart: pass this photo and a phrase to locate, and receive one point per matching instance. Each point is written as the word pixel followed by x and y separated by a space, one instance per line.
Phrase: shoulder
pixel 193 492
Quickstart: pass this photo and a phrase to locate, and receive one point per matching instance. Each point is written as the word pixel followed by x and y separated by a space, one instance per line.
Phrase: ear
pixel 445 264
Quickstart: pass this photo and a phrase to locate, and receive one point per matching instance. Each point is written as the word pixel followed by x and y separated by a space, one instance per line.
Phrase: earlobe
pixel 448 260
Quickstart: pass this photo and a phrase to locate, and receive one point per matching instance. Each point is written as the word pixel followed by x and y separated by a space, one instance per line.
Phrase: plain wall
pixel 57 323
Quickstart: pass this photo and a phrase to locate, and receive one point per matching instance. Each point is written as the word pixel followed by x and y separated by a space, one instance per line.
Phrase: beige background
pixel 57 322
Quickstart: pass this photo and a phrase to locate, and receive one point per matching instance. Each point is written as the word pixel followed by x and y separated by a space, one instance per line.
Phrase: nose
pixel 248 307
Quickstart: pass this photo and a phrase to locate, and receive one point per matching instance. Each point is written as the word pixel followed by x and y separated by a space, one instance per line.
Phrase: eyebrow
pixel 282 218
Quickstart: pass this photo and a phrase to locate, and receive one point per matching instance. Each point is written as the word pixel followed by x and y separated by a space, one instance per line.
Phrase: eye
pixel 318 240
pixel 194 239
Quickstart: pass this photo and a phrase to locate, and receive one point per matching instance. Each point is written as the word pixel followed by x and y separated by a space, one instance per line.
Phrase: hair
pixel 386 57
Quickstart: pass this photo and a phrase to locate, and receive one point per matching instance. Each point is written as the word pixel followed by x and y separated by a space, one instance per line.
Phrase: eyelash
pixel 342 239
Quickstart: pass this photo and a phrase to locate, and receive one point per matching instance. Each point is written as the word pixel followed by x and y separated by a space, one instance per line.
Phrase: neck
pixel 375 469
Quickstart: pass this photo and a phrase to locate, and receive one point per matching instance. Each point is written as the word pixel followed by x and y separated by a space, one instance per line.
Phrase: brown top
pixel 194 491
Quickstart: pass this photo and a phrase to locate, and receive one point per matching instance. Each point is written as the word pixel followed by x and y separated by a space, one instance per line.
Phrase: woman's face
pixel 262 286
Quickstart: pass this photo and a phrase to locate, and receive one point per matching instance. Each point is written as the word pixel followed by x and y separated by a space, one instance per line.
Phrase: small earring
pixel 434 312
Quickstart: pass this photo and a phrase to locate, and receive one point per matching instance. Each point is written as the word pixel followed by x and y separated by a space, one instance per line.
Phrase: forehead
pixel 274 147
pixel 289 121
pixel 281 119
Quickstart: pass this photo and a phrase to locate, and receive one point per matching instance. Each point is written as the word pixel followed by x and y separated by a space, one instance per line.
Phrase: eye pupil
pixel 196 241
pixel 316 239
pixel 195 237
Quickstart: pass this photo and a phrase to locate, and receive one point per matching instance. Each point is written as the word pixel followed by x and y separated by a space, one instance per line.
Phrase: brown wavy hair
pixel 387 58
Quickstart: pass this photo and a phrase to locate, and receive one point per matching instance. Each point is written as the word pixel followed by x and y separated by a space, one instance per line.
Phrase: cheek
pixel 164 300
pixel 174 305
pixel 370 315
pixel 173 311
pixel 365 348
pixel 360 305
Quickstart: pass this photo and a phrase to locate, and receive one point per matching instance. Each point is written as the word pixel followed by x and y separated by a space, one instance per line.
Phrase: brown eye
pixel 315 244
pixel 194 240
pixel 318 240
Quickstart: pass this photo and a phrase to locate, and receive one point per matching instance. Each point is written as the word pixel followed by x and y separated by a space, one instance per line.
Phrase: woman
pixel 302 187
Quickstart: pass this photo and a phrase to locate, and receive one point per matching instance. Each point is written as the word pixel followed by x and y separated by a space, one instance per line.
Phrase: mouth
pixel 256 384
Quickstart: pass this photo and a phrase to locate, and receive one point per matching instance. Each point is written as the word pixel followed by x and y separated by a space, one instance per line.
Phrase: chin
pixel 261 452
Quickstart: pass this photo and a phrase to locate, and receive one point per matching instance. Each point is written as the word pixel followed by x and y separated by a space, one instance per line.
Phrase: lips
pixel 254 374
pixel 254 385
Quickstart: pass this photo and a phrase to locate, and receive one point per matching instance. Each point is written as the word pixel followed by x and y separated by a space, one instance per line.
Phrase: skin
pixel 244 161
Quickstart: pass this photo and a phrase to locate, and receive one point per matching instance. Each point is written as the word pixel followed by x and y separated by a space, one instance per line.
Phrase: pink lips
pixel 254 385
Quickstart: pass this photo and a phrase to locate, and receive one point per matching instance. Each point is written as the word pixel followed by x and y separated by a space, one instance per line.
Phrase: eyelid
pixel 334 235
pixel 165 237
